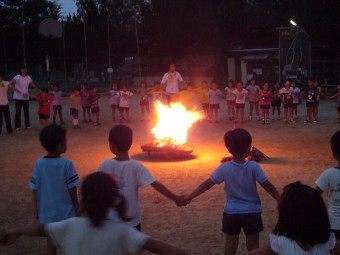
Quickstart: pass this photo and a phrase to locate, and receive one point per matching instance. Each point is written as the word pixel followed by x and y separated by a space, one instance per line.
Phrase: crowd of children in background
pixel 204 98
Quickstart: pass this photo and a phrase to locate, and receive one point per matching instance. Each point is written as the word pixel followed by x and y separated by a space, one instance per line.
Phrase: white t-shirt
pixel 172 81
pixel 3 93
pixel 58 94
pixel 286 246
pixel 329 182
pixel 124 98
pixel 131 176
pixel 253 91
pixel 114 97
pixel 240 96
pixel 296 92
pixel 77 236
pixel 22 83
pixel 230 95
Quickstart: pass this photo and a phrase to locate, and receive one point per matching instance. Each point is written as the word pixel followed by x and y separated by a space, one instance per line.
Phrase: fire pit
pixel 171 129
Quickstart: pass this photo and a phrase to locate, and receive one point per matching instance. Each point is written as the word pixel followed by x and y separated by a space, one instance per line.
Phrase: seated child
pixel 93 234
pixel 243 207
pixel 302 227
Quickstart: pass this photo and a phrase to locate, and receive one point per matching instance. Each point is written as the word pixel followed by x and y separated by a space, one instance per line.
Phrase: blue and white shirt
pixel 240 186
pixel 52 178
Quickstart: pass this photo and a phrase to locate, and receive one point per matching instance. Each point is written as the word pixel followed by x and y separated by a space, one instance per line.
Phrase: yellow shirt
pixel 74 101
pixel 187 97
pixel 202 93
pixel 157 94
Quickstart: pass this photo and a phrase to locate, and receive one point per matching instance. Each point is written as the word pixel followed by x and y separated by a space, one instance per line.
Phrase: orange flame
pixel 173 123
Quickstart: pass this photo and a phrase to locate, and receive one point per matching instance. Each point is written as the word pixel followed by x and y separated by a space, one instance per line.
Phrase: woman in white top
pixel 94 234
pixel 171 81
pixel 303 226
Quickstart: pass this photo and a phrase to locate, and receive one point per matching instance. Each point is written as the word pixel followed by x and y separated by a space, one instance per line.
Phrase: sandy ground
pixel 299 152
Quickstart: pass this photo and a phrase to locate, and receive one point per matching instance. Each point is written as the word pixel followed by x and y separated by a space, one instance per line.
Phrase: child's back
pixel 52 178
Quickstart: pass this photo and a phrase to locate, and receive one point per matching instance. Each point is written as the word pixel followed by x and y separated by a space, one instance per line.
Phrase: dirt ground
pixel 298 152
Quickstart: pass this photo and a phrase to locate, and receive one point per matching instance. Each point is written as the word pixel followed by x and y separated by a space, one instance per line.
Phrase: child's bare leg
pixel 242 114
pixel 216 115
pixel 237 112
pixel 50 249
pixel 84 114
pixel 231 244
pixel 233 110
pixel 279 111
pixel 291 114
pixel 285 113
pixel 97 117
pixel 338 115
pixel 267 114
pixel 315 112
pixel 127 114
pixel 251 108
pixel 252 242
pixel 308 113
pixel 229 111
pixel 142 110
pixel 257 110
pixel 210 114
pixel 147 107
pixel 55 111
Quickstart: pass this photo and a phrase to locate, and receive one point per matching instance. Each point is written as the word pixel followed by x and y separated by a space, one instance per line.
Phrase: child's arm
pixel 162 248
pixel 74 197
pixel 36 215
pixel 265 250
pixel 336 249
pixel 9 236
pixel 270 188
pixel 319 190
pixel 203 187
pixel 164 191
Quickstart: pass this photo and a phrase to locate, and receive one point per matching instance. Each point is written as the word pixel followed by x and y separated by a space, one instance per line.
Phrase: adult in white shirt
pixel 4 107
pixel 171 81
pixel 22 82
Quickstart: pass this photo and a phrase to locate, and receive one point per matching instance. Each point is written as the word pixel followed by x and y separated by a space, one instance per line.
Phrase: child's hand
pixel 182 200
pixel 8 237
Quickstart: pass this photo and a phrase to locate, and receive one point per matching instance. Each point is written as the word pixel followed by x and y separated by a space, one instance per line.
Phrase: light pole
pixel 137 19
pixel 109 69
pixel 85 49
pixel 23 31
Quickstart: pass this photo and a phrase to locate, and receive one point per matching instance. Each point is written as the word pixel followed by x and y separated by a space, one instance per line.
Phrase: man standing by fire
pixel 171 81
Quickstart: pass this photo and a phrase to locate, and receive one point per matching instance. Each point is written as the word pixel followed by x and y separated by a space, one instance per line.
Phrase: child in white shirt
pixel 240 94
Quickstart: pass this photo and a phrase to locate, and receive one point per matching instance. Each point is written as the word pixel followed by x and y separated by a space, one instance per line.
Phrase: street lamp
pixel 137 18
pixel 293 23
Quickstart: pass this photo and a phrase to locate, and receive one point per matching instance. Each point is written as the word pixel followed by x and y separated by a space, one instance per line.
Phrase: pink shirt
pixel 265 97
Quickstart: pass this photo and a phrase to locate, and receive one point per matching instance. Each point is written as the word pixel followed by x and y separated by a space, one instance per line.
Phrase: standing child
pixel 243 207
pixel 56 103
pixel 144 100
pixel 316 85
pixel 188 97
pixel 231 99
pixel 240 101
pixel 337 96
pixel 94 104
pixel 329 182
pixel 214 95
pixel 253 92
pixel 275 101
pixel 265 103
pixel 44 107
pixel 74 112
pixel 287 93
pixel 296 98
pixel 84 95
pixel 157 92
pixel 93 233
pixel 124 103
pixel 312 95
pixel 54 181
pixel 302 227
pixel 203 97
pixel 131 174
pixel 113 93
pixel 4 107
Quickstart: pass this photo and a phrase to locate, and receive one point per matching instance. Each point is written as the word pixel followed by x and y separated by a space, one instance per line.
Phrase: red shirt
pixel 44 104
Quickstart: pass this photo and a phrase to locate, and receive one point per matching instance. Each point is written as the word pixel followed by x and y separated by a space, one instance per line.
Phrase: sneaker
pixel 292 121
pixel 306 121
pixel 267 121
pixel 263 121
pixel 96 124
pixel 258 118
pixel 17 129
pixel 315 121
pixel 28 127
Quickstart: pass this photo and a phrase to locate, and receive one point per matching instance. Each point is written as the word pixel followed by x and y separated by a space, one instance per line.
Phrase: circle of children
pixel 108 218
pixel 209 99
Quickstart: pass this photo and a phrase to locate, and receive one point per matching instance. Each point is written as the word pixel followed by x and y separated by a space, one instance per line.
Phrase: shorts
pixel 123 108
pixel 254 102
pixel 44 116
pixel 114 106
pixel 295 105
pixel 73 111
pixel 214 106
pixel 144 103
pixel 265 106
pixel 231 102
pixel 311 104
pixel 251 223
pixel 338 108
pixel 205 106
pixel 336 233
pixel 57 107
pixel 239 106
pixel 287 105
pixel 276 103
pixel 85 107
pixel 94 110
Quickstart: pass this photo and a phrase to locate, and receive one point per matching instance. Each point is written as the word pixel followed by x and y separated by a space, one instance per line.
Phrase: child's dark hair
pixel 99 193
pixel 156 83
pixel 91 87
pixel 1 74
pixel 335 142
pixel 44 90
pixel 76 89
pixel 238 141
pixel 121 137
pixel 51 136
pixel 55 85
pixel 142 82
pixel 302 215
pixel 240 82
pixel 232 82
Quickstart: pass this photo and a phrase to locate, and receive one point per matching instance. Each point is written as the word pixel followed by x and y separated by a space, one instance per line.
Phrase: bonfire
pixel 171 129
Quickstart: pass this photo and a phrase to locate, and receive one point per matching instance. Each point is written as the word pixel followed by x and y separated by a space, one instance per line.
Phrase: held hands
pixel 182 200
